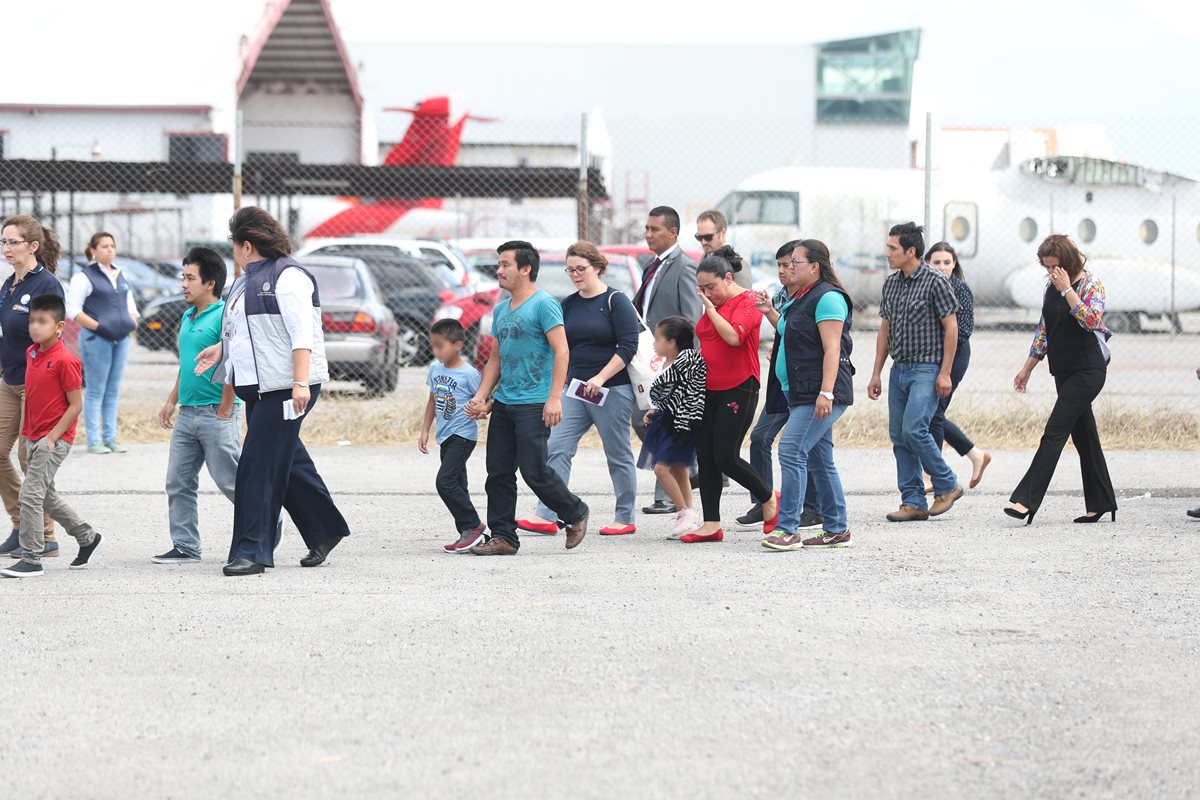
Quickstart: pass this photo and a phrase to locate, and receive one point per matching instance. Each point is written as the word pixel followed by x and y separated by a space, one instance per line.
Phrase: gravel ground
pixel 963 657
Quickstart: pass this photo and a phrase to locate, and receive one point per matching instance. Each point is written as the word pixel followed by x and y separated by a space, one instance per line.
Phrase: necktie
pixel 641 292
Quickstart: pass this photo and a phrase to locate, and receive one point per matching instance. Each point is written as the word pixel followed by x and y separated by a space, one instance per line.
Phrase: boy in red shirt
pixel 53 400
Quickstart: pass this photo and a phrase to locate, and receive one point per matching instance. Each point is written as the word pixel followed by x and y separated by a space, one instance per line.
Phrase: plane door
pixel 960 227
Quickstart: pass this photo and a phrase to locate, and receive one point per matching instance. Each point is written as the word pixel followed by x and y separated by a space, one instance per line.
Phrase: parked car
pixel 361 333
pixel 432 251
pixel 624 274
pixel 413 289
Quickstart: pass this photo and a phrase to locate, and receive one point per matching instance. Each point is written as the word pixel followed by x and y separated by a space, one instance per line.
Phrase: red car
pixel 624 274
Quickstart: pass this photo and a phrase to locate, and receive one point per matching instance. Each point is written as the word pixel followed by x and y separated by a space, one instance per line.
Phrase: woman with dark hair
pixel 728 336
pixel 816 376
pixel 32 251
pixel 602 334
pixel 274 356
pixel 100 300
pixel 944 259
pixel 1072 337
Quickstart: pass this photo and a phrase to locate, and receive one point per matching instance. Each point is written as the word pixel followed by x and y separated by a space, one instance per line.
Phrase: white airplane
pixel 1139 228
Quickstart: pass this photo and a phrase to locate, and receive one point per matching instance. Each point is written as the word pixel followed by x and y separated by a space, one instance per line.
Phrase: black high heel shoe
pixel 1087 518
pixel 1026 515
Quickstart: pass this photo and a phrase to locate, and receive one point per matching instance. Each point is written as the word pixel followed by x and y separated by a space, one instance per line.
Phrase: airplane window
pixel 960 229
pixel 1087 230
pixel 1028 229
pixel 1149 231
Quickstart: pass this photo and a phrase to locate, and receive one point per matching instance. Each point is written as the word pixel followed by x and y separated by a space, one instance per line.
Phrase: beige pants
pixel 12 417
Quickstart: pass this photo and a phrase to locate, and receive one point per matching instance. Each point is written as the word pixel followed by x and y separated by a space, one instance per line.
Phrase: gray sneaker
pixel 116 447
pixel 98 449
pixel 809 520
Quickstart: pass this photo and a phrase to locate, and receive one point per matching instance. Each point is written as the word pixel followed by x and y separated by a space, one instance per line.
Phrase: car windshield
pixel 337 283
pixel 552 276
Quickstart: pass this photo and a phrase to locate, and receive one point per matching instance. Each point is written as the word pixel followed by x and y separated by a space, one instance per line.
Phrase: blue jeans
pixel 612 423
pixel 103 367
pixel 762 439
pixel 806 457
pixel 912 402
pixel 199 438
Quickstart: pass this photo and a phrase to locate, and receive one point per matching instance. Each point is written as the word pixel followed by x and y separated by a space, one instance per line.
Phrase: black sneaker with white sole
pixel 85 553
pixel 809 519
pixel 23 569
pixel 752 517
pixel 174 556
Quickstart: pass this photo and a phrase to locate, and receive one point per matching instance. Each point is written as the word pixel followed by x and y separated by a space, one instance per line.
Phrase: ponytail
pixel 50 250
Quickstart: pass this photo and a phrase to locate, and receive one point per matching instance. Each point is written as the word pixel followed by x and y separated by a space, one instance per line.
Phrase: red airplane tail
pixel 432 140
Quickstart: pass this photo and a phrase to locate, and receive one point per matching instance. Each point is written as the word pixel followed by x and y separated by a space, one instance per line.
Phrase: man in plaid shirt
pixel 919 330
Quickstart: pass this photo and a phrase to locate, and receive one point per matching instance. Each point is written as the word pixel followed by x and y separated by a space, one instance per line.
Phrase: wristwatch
pixel 827 395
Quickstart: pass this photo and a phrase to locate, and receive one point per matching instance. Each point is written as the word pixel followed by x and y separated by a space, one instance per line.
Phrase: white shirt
pixel 294 292
pixel 80 289
pixel 662 259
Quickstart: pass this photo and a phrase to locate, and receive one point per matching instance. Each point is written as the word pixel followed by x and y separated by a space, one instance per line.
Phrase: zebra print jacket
pixel 678 392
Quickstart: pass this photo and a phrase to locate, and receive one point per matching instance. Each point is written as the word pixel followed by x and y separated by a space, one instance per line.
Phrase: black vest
pixel 1069 346
pixel 805 354
pixel 107 305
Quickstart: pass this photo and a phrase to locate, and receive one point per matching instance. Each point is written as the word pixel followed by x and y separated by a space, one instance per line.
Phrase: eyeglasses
pixel 575 270
pixel 11 242
pixel 796 263
pixel 705 237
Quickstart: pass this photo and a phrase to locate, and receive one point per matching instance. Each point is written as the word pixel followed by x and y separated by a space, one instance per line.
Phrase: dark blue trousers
pixel 276 471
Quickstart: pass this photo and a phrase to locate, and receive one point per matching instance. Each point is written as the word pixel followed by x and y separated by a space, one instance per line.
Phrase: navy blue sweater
pixel 14 319
pixel 594 336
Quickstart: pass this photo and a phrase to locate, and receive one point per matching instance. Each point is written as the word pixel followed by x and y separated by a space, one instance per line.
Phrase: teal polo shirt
pixel 197 332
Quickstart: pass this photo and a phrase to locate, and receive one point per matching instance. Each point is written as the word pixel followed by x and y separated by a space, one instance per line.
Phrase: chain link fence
pixel 400 223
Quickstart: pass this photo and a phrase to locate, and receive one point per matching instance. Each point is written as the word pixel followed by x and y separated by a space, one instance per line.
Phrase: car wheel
pixel 412 344
pixel 383 382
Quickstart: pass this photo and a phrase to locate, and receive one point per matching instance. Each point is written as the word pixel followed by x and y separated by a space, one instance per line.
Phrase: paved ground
pixel 964 657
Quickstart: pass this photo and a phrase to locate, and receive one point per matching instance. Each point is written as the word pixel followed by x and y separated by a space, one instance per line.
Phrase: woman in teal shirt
pixel 814 370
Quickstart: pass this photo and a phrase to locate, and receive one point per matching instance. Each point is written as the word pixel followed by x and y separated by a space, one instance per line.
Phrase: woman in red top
pixel 728 336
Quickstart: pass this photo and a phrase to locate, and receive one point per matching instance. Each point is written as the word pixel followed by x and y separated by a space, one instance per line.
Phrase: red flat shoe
pixel 693 538
pixel 769 525
pixel 618 530
pixel 548 528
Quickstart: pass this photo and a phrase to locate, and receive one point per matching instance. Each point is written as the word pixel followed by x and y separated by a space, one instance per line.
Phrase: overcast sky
pixel 1132 63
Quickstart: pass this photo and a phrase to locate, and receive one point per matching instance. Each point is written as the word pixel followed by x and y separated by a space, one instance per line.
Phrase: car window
pixel 394 276
pixel 436 255
pixel 355 250
pixel 337 283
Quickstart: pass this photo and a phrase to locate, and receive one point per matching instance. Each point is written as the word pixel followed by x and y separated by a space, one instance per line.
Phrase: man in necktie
pixel 668 289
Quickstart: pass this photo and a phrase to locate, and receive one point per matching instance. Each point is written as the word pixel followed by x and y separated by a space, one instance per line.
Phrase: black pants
pixel 1072 416
pixel 942 429
pixel 727 417
pixel 452 482
pixel 275 471
pixel 517 440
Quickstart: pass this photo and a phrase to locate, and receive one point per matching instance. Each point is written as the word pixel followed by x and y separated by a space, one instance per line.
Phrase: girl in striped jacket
pixel 677 397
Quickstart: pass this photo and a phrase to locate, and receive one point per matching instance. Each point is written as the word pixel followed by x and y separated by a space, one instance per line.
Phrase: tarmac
pixel 967 656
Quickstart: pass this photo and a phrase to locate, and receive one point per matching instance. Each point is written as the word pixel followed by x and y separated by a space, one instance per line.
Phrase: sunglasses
pixel 705 237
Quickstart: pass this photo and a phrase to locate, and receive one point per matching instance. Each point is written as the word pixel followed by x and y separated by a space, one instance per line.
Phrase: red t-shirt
pixel 731 366
pixel 49 375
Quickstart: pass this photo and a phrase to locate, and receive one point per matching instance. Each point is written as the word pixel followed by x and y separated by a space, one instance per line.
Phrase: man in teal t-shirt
pixel 208 430
pixel 527 370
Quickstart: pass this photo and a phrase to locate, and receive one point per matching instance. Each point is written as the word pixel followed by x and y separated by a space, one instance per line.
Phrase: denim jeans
pixel 762 440
pixel 452 484
pixel 612 423
pixel 199 438
pixel 103 367
pixel 517 439
pixel 912 402
pixel 806 458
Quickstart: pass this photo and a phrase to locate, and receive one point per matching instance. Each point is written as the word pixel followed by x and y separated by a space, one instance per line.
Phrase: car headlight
pixel 449 312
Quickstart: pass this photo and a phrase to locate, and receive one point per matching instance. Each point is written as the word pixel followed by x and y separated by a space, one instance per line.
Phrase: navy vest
pixel 108 306
pixel 806 355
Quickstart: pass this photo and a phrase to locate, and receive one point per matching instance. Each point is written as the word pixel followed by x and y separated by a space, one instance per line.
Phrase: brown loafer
pixel 575 532
pixel 907 513
pixel 944 502
pixel 494 546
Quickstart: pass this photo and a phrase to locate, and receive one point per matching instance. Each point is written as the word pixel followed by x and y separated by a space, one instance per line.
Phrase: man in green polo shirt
pixel 208 430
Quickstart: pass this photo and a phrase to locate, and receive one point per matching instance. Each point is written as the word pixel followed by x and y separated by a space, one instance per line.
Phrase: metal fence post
pixel 237 162
pixel 581 211
pixel 928 178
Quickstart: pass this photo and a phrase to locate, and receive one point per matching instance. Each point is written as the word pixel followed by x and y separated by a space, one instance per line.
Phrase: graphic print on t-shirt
pixel 512 330
pixel 443 392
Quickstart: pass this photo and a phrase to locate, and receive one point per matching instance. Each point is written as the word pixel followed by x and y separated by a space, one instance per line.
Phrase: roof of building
pixel 27 108
pixel 298 42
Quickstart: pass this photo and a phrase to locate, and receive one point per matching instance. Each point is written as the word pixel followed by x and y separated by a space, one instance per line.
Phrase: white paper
pixel 289 410
pixel 575 391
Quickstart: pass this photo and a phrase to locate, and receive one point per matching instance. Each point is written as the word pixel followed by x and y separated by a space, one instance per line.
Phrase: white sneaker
pixel 685 521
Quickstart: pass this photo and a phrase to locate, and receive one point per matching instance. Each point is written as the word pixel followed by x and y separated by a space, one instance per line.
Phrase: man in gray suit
pixel 668 289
